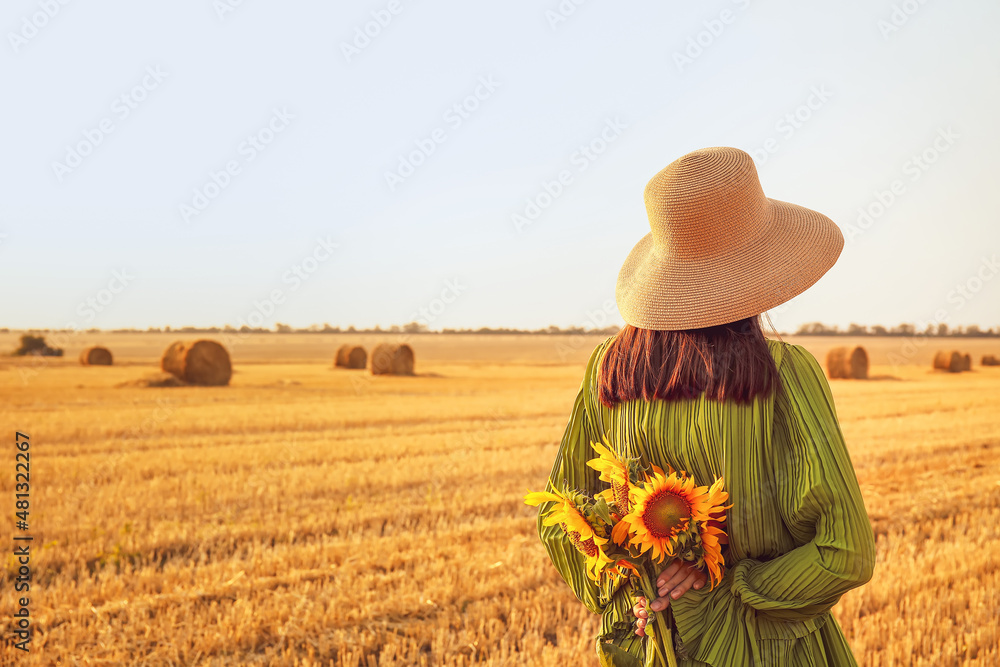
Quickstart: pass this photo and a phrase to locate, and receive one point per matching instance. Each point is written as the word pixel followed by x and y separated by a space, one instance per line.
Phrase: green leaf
pixel 614 656
pixel 603 511
pixel 627 556
pixel 637 472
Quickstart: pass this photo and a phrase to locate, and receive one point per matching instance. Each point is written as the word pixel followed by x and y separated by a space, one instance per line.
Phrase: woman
pixel 692 382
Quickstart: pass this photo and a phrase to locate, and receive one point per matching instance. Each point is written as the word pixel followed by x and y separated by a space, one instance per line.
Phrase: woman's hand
pixel 672 583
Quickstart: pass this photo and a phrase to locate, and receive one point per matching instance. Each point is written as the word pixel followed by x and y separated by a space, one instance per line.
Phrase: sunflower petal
pixel 535 498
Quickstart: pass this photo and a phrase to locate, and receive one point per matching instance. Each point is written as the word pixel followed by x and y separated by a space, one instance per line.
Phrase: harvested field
pixel 304 516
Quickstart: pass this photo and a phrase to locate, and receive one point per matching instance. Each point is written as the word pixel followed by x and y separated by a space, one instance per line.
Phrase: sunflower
pixel 579 531
pixel 614 471
pixel 622 569
pixel 712 534
pixel 664 508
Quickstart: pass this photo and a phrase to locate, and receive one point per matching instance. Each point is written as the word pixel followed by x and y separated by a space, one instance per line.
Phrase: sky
pixel 219 162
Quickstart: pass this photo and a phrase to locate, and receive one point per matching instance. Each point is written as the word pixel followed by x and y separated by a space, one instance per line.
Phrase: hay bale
pixel 836 362
pixel 858 359
pixel 351 356
pixel 948 361
pixel 990 360
pixel 847 363
pixel 967 362
pixel 390 359
pixel 202 362
pixel 96 356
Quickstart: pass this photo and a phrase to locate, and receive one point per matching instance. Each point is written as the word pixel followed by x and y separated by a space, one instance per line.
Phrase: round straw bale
pixel 967 362
pixel 390 359
pixel 835 362
pixel 990 360
pixel 96 356
pixel 857 360
pixel 202 362
pixel 351 356
pixel 847 363
pixel 948 361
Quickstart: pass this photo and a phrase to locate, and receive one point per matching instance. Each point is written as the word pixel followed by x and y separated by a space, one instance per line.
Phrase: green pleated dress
pixel 800 536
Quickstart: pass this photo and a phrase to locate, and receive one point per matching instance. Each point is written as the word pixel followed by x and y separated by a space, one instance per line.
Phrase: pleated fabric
pixel 800 536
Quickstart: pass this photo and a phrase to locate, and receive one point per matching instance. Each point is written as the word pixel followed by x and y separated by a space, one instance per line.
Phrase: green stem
pixel 662 641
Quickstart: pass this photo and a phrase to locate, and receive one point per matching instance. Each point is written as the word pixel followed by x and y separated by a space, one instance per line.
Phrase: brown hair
pixel 727 361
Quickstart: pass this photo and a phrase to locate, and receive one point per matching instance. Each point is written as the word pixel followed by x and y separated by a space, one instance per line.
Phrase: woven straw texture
pixel 719 250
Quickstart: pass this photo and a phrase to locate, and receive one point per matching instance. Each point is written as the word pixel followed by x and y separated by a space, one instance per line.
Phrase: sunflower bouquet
pixel 645 516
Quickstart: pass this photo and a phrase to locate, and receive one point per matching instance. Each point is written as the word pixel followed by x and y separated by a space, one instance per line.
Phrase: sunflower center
pixel 666 514
pixel 620 492
pixel 586 547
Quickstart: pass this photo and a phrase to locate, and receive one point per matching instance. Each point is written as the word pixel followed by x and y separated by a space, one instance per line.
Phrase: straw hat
pixel 719 250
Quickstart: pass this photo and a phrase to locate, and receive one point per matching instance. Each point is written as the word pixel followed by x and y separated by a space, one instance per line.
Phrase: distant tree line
pixel 408 328
pixel 941 329
pixel 809 329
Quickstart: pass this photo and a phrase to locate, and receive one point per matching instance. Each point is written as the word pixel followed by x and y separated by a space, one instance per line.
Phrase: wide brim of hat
pixel 658 291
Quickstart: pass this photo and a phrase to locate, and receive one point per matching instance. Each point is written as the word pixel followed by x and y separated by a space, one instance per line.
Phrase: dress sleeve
pixel 820 503
pixel 570 470
pixel 819 500
pixel 569 466
pixel 613 601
